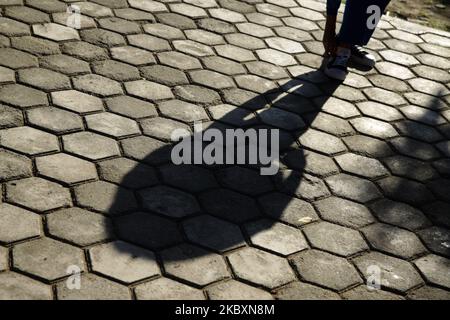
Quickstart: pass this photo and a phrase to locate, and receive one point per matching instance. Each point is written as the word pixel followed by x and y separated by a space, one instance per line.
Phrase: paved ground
pixel 85 122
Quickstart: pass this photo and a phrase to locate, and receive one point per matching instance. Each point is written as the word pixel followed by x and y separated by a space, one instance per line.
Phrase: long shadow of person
pixel 216 207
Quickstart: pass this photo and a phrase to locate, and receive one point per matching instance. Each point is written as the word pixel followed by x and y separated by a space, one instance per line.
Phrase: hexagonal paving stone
pixel 429 293
pixel 374 128
pixel 437 240
pixel 16 59
pixel 326 270
pixel 213 233
pixel 194 264
pixel 405 190
pixel 188 177
pixel 167 289
pixel 94 288
pixel 13 166
pixel 7 75
pixel 102 37
pixel 336 239
pixel 179 60
pixel 305 291
pixel 244 180
pixel 47 258
pixel 11 27
pixel 344 212
pixel 148 90
pixel 353 188
pixel 21 96
pixel 146 149
pixel 229 205
pixel 147 230
pixel 277 237
pixel 55 120
pixel 10 117
pixel 37 194
pixel 112 124
pixel 132 55
pixel 18 224
pixel 395 274
pixel 116 70
pixel 84 50
pixel 90 145
pixel 362 166
pixel 260 267
pixel 410 168
pixel 55 32
pixel 169 201
pixel 164 75
pixel 77 101
pixel 193 48
pixel 18 287
pixel 182 111
pixel 35 45
pixel 393 240
pixel 96 84
pixel 435 269
pixel 105 197
pixel 79 226
pixel 44 79
pixel 399 57
pixel 399 214
pixel 65 168
pixel 321 141
pixel 128 173
pixel 232 289
pixel 301 185
pixel 28 140
pixel 123 261
pixel 288 209
pixel 131 107
pixel 197 94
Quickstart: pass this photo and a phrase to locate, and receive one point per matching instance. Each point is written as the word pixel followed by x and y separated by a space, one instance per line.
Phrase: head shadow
pixel 216 207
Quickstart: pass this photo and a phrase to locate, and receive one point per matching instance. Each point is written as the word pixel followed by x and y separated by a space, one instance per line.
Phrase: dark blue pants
pixel 354 29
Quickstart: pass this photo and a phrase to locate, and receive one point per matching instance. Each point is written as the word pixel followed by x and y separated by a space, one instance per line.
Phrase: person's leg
pixel 355 29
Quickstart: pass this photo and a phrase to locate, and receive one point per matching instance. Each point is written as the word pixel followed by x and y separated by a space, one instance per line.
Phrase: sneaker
pixel 362 57
pixel 336 67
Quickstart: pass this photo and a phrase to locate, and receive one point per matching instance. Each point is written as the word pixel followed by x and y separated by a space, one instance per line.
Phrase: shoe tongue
pixel 343 52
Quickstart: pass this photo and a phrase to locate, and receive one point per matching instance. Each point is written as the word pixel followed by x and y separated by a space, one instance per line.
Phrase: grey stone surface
pixel 393 240
pixel 47 258
pixel 79 226
pixel 117 259
pixel 325 270
pixel 336 239
pixel 260 268
pixel 18 224
pixel 18 287
pixel 86 121
pixel 197 266
pixel 94 288
pixel 395 274
pixel 435 269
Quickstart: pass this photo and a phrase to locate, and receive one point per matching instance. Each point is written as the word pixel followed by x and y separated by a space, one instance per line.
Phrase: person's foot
pixel 362 57
pixel 336 67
